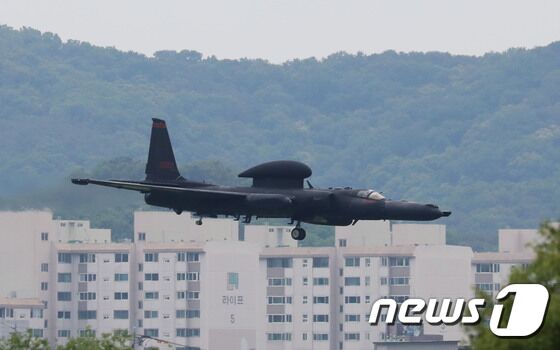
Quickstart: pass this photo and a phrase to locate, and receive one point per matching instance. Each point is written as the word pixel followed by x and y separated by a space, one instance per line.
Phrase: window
pixel 121 257
pixel 88 296
pixel 487 267
pixel 351 281
pixel 63 315
pixel 399 298
pixel 64 258
pixel 141 236
pixel 151 277
pixel 63 333
pixel 87 258
pixel 193 295
pixel 352 336
pixel 304 299
pixel 88 277
pixel 320 336
pixel 383 281
pixel 87 333
pixel 44 267
pixel 320 281
pixel 279 336
pixel 121 295
pixel 398 281
pixel 187 332
pixel 181 295
pixel 275 282
pixel 44 286
pixel 121 277
pixel 487 287
pixel 37 333
pixel 44 236
pixel 279 300
pixel 63 296
pixel 120 314
pixel 193 276
pixel 279 318
pixel 305 281
pixel 151 295
pixel 351 299
pixel 368 262
pixel 232 280
pixel 383 261
pixel 399 261
pixel 87 315
pixel 321 318
pixel 352 318
pixel 279 262
pixel 321 261
pixel 193 313
pixel 151 257
pixel 36 313
pixel 320 300
pixel 150 314
pixel 352 261
pixel 192 257
pixel 64 277
pixel 367 281
pixel 151 332
pixel 188 313
pixel 342 243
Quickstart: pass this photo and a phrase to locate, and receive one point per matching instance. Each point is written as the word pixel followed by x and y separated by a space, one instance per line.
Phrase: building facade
pixel 221 285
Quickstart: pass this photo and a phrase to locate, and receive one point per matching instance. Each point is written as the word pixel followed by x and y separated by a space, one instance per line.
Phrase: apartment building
pixel 18 314
pixel 222 285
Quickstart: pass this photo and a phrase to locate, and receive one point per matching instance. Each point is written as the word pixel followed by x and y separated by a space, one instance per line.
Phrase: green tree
pixel 115 341
pixel 23 341
pixel 544 270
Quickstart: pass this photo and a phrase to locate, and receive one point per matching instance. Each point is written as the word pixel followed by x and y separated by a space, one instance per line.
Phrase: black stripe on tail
pixel 161 161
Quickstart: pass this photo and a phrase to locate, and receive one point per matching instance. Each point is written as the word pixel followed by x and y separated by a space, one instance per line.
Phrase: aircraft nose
pixel 414 211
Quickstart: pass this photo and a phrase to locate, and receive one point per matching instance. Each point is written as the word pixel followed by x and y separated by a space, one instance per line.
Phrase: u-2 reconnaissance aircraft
pixel 277 192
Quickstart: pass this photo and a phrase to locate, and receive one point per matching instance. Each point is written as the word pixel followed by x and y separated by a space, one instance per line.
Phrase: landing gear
pixel 247 219
pixel 178 211
pixel 298 233
pixel 198 222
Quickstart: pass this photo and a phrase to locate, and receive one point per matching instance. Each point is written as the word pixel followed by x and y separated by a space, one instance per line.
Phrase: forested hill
pixel 477 135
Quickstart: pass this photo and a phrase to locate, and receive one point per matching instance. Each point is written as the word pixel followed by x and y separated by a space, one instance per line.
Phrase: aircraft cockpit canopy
pixel 370 194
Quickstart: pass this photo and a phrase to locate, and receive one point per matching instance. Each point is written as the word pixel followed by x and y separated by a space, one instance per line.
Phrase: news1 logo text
pixel 526 317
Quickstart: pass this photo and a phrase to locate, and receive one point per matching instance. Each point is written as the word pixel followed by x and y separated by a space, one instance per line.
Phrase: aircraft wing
pixel 147 187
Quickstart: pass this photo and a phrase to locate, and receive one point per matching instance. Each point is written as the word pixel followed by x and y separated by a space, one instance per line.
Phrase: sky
pixel 280 30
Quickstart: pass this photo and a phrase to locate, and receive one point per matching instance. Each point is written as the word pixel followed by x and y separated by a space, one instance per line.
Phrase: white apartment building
pixel 18 315
pixel 200 287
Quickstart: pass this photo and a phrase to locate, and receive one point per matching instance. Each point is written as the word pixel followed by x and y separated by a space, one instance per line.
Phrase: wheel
pixel 298 233
pixel 178 211
pixel 198 222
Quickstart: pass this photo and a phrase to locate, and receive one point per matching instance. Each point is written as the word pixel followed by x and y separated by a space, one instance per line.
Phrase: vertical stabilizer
pixel 161 160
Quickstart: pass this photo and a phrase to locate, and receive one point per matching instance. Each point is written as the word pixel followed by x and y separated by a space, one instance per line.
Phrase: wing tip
pixel 80 181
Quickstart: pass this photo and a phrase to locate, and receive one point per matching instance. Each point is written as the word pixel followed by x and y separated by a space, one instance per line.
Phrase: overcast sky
pixel 278 30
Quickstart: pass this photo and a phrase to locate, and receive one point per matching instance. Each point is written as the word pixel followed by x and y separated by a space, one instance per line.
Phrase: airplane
pixel 277 191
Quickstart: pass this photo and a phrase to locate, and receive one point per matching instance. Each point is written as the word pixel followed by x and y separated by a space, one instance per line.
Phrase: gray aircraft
pixel 277 191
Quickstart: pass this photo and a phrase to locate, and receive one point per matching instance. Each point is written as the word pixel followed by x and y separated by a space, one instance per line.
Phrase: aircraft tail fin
pixel 161 160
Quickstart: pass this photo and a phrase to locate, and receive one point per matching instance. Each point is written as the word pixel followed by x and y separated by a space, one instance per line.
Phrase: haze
pixel 279 30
